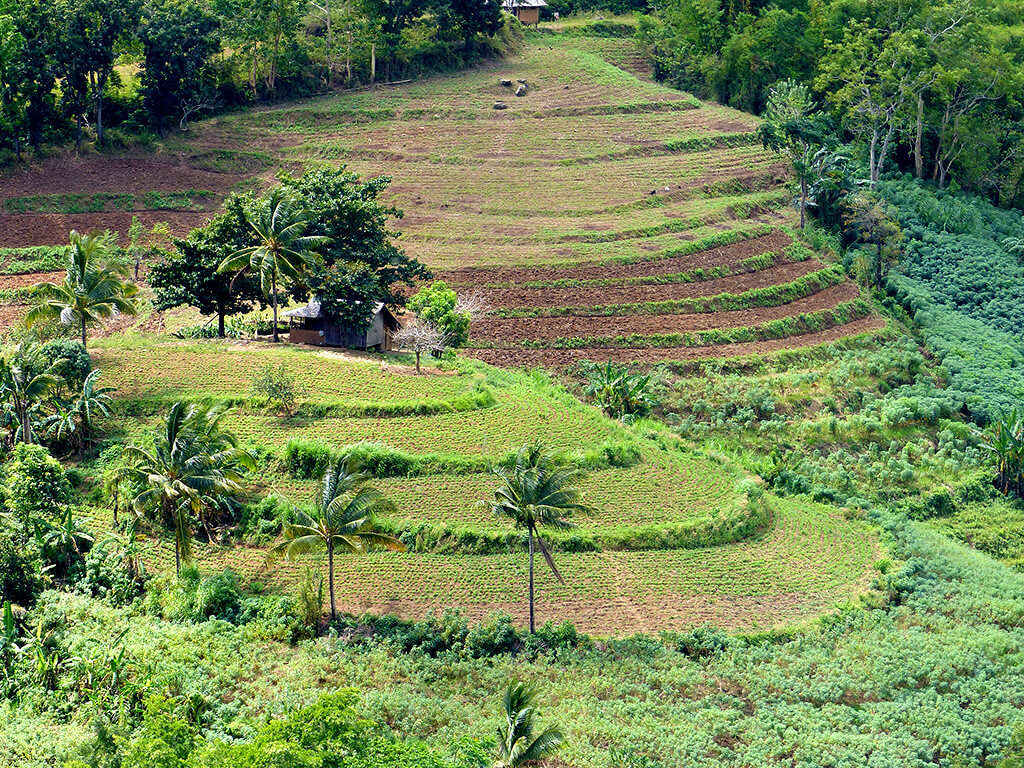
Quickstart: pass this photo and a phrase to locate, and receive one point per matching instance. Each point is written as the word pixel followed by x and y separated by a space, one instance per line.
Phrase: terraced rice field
pixel 601 216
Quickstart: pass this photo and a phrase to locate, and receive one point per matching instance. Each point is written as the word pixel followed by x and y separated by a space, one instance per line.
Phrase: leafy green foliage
pixel 517 744
pixel 277 387
pixel 35 486
pixel 94 288
pixel 620 392
pixel 361 263
pixel 189 275
pixel 437 304
pixel 341 519
pixel 193 467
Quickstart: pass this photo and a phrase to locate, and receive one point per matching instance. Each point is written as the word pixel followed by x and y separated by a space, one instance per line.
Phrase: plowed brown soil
pixel 555 358
pixel 100 173
pixel 724 255
pixel 549 328
pixel 26 229
pixel 13 282
pixel 633 294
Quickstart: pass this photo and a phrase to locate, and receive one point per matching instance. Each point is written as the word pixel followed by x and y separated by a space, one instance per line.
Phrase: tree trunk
pixel 26 427
pixel 78 132
pixel 417 361
pixel 803 202
pixel 918 138
pixel 330 42
pixel 330 574
pixel 533 628
pixel 273 290
pixel 373 62
pixel 871 156
pixel 84 337
pixel 220 321
pixel 101 86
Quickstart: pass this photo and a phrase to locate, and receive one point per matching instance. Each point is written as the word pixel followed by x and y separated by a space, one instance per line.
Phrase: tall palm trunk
pixel 85 342
pixel 273 291
pixel 330 574
pixel 177 534
pixel 532 627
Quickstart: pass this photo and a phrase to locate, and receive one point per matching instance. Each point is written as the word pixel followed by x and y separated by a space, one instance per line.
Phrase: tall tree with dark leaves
pixel 349 213
pixel 189 276
pixel 90 34
pixel 178 38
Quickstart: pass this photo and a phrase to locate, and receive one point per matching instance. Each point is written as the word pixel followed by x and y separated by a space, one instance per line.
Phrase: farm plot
pixel 640 560
pixel 663 489
pixel 598 191
pixel 812 558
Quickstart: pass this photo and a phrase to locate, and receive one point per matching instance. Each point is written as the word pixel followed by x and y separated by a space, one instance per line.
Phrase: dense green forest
pixel 930 88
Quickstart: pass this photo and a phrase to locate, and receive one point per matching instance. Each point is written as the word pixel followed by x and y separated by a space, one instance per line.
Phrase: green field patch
pixel 100 202
pixel 809 559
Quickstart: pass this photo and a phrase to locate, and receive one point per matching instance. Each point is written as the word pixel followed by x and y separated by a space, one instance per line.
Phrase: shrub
pixel 20 580
pixel 437 305
pixel 190 597
pixel 72 359
pixel 703 642
pixel 277 387
pixel 35 485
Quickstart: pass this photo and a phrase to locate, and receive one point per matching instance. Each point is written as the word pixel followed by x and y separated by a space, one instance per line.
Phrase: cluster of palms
pixel 35 398
pixel 1005 442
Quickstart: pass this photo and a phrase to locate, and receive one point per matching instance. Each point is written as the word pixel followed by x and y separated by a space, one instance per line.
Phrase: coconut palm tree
pixel 284 249
pixel 26 379
pixel 517 746
pixel 93 290
pixel 538 490
pixel 192 462
pixel 342 518
pixel 74 419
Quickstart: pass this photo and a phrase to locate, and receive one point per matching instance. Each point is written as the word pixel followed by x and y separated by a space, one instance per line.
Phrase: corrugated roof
pixel 512 4
pixel 313 310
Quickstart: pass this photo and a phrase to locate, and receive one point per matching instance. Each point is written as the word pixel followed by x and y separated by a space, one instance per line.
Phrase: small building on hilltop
pixel 309 325
pixel 527 11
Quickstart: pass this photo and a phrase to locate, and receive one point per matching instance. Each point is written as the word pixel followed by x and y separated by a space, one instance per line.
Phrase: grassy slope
pixel 808 559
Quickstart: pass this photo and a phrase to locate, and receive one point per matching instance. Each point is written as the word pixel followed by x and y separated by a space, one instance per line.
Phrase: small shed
pixel 309 325
pixel 527 11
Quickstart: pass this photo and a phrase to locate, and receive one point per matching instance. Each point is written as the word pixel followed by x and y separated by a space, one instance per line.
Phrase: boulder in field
pixel 500 105
pixel 506 82
pixel 521 90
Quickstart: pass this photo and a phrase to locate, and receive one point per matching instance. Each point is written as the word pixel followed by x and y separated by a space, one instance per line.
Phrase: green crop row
pixel 98 202
pixel 309 459
pixel 24 261
pixel 474 400
pixel 766 296
pixel 677 146
pixel 743 522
